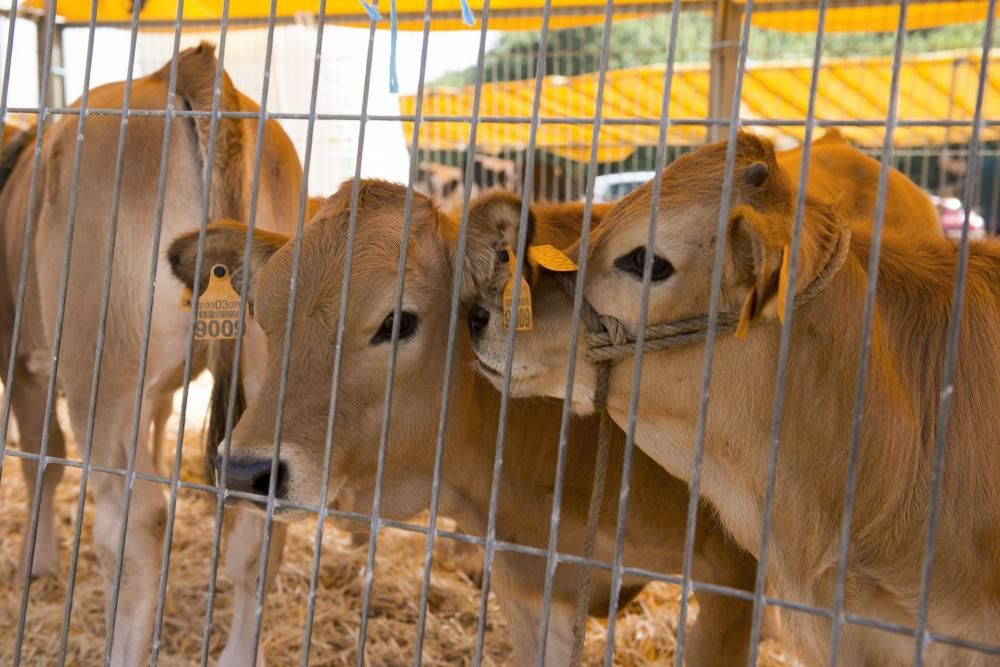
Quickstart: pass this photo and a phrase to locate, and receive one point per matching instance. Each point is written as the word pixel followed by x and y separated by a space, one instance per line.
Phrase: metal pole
pixel 723 63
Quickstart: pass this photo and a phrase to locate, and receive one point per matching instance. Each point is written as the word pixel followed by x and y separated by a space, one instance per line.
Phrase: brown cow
pixel 847 179
pixel 230 185
pixel 916 280
pixel 657 512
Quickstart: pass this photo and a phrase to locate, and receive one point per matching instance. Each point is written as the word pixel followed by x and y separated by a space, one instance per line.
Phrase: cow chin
pixel 520 378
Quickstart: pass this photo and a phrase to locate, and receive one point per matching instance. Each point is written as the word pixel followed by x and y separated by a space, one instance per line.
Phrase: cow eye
pixel 503 256
pixel 407 327
pixel 634 262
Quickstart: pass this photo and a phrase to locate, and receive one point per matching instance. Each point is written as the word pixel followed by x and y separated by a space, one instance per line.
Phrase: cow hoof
pixel 45 563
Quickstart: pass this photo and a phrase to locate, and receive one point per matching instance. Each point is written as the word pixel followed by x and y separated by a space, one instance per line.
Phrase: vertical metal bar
pixel 867 321
pixel 951 351
pixel 29 232
pixel 994 210
pixel 161 599
pixel 19 303
pixel 449 362
pixel 713 321
pixel 338 352
pixel 565 418
pixel 252 214
pixel 9 56
pixel 786 340
pixel 522 237
pixel 369 579
pixel 147 325
pixel 50 395
pixel 303 196
pixel 626 477
pixel 102 324
pixel 213 568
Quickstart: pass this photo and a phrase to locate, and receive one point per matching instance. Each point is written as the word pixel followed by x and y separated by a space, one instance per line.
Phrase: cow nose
pixel 479 317
pixel 254 476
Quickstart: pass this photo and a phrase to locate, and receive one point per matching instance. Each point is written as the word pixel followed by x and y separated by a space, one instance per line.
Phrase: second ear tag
pixel 551 258
pixel 523 316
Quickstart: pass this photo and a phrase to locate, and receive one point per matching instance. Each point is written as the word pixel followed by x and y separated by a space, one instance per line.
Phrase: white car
pixel 612 187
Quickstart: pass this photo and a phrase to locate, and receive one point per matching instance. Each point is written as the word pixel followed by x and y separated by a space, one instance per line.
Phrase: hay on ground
pixel 645 631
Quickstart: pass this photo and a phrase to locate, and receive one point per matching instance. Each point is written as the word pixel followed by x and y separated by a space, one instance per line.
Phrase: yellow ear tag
pixel 783 283
pixel 551 258
pixel 745 314
pixel 218 308
pixel 523 322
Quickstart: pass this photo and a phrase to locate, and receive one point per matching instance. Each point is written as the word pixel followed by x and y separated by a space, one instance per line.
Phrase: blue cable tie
pixel 467 17
pixel 372 10
pixel 393 33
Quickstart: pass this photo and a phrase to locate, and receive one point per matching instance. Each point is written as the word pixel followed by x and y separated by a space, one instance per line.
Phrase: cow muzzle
pixel 253 476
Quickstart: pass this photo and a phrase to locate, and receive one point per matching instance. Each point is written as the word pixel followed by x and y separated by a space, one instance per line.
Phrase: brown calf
pixel 901 411
pixel 133 260
pixel 657 511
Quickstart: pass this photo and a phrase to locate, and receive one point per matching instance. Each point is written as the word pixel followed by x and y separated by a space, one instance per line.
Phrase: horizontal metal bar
pixel 545 120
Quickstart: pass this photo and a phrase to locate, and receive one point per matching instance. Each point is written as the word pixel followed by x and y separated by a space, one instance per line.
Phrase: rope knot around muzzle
pixel 608 339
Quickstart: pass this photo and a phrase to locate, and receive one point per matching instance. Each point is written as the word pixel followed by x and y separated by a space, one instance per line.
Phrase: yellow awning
pixel 504 14
pixel 933 88
pixel 526 14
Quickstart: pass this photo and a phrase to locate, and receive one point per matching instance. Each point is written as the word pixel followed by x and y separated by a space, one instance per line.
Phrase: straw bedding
pixel 645 631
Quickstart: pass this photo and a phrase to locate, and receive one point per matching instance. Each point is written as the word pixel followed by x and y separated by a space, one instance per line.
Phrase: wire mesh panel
pixel 542 333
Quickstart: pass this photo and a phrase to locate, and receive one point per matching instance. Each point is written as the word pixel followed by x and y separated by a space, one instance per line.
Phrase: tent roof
pixel 791 15
pixel 849 90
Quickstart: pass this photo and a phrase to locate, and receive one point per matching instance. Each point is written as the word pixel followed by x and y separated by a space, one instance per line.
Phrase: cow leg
pixel 163 407
pixel 243 564
pixel 143 545
pixel 28 405
pixel 522 604
pixel 721 633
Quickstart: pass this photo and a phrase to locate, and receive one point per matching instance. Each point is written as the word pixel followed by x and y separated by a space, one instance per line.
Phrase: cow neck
pixel 467 470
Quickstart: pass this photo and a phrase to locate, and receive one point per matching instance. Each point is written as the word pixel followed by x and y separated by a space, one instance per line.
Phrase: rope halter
pixel 609 340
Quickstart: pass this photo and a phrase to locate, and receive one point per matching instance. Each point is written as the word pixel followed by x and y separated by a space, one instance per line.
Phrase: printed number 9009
pixel 214 329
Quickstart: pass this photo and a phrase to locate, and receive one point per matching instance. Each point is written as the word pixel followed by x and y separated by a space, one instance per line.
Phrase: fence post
pixel 56 95
pixel 724 54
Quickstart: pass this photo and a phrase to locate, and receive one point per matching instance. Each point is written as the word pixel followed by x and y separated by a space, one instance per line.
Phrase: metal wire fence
pixel 322 94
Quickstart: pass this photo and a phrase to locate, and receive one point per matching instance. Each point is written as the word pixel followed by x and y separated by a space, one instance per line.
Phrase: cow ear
pixel 494 220
pixel 759 243
pixel 225 243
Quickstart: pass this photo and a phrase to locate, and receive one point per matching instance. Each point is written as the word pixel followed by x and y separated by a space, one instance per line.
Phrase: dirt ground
pixel 645 631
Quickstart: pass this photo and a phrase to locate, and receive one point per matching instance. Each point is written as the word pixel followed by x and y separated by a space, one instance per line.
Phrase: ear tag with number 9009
pixel 218 307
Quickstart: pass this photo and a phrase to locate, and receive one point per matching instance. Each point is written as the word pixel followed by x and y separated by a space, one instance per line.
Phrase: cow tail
pixel 221 366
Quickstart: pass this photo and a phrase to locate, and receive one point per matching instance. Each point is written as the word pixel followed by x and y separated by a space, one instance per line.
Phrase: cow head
pixel 758 228
pixel 359 397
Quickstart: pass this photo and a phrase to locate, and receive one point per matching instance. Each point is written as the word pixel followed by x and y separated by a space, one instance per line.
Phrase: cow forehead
pixel 374 252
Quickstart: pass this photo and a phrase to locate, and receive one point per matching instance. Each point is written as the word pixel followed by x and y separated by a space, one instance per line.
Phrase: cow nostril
pixel 479 317
pixel 254 476
pixel 262 483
